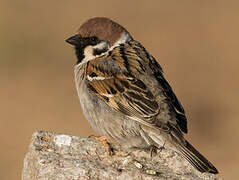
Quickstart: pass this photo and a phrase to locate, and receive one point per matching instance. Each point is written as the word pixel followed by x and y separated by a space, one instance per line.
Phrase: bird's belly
pixel 108 122
pixel 93 109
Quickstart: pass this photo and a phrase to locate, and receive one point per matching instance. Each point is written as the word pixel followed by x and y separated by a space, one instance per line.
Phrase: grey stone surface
pixel 58 156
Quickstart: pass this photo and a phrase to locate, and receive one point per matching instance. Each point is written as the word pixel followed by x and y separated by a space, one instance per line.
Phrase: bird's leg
pixel 103 139
pixel 153 150
pixel 162 147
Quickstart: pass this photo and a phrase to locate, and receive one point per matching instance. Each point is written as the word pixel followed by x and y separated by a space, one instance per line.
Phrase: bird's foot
pixel 161 148
pixel 103 139
pixel 153 150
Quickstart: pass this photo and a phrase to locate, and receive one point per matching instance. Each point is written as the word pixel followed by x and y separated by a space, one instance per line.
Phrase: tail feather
pixel 176 141
pixel 196 159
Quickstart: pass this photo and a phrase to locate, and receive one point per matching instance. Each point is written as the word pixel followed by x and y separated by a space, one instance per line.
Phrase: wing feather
pixel 113 77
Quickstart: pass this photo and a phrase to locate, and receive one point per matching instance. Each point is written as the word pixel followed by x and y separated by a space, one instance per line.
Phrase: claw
pixel 153 150
pixel 103 139
pixel 162 147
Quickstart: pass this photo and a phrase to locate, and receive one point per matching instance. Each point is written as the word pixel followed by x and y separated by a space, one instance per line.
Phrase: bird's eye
pixel 93 38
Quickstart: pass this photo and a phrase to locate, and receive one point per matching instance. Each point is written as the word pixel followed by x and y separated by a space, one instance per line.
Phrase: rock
pixel 57 156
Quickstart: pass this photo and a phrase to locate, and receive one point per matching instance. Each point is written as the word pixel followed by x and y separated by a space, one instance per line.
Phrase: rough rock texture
pixel 57 156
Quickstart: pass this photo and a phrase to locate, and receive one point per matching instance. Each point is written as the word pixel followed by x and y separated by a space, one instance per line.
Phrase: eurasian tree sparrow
pixel 124 94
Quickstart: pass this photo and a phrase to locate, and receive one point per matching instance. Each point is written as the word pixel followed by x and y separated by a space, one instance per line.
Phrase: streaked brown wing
pixel 171 98
pixel 122 92
pixel 113 79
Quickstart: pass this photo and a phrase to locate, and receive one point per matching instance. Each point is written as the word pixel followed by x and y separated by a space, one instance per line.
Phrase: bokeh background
pixel 196 42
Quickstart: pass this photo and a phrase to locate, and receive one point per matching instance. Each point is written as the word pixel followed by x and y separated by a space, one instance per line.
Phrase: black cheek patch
pixel 98 52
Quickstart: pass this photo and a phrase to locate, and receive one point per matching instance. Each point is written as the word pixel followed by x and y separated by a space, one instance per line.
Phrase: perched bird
pixel 124 94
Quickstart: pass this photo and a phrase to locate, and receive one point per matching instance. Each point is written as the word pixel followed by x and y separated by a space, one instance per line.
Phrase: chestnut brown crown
pixel 103 28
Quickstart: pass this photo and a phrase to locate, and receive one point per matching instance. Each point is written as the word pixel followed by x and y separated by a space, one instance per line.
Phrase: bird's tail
pixel 196 159
pixel 192 155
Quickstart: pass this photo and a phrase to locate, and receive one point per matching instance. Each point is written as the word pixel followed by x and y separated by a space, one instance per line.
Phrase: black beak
pixel 74 40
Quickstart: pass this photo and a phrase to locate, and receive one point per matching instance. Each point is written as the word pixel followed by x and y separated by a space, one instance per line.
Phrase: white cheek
pixel 88 53
pixel 89 50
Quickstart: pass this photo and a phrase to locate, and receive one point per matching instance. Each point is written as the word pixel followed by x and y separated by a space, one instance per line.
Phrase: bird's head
pixel 97 36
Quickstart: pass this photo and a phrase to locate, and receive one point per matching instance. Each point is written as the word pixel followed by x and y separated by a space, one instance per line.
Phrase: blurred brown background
pixel 196 42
